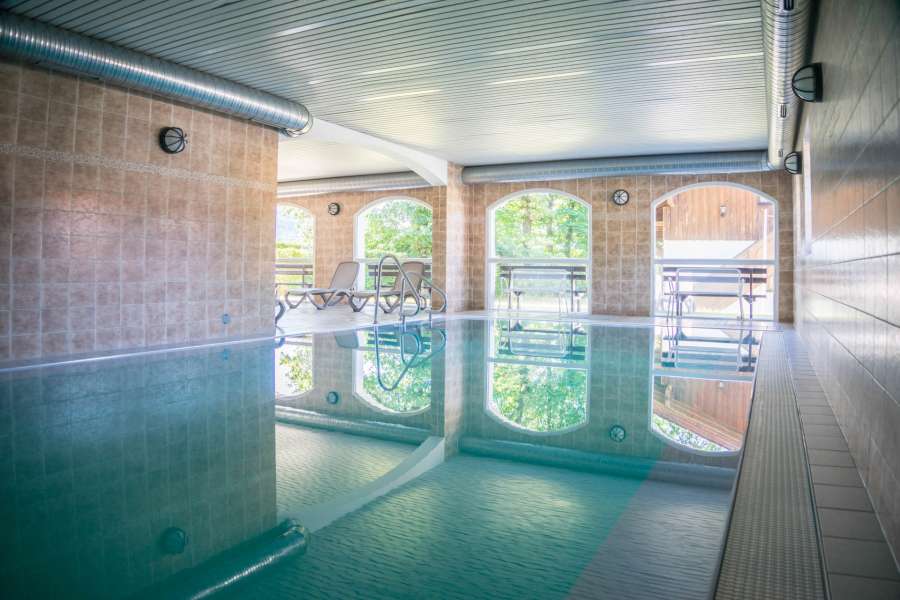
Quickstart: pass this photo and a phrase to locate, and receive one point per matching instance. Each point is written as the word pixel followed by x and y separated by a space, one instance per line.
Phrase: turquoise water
pixel 541 460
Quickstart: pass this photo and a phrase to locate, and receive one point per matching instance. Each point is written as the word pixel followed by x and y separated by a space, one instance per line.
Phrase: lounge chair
pixel 391 299
pixel 342 283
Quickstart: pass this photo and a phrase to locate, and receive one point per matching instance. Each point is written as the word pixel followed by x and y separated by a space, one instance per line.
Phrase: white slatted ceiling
pixel 436 74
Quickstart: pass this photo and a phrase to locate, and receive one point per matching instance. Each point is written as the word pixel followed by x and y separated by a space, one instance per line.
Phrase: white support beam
pixel 431 168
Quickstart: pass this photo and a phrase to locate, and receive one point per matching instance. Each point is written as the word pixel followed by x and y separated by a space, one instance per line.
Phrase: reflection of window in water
pixel 684 437
pixel 403 383
pixel 539 398
pixel 294 367
pixel 700 414
pixel 537 375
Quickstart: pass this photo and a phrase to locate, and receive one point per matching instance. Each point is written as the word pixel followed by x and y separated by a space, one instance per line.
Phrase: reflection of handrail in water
pixel 412 362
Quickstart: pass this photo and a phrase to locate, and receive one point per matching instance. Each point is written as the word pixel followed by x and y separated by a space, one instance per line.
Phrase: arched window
pixel 399 226
pixel 295 238
pixel 539 252
pixel 715 252
pixel 537 376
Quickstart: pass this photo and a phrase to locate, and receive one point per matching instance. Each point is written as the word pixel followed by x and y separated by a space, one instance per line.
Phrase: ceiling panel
pixel 474 81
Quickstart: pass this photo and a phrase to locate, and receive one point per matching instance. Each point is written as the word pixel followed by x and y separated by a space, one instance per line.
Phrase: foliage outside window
pixel 295 234
pixel 397 226
pixel 541 225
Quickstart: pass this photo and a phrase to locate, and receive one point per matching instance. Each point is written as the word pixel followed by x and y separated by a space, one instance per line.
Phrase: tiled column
pixel 449 240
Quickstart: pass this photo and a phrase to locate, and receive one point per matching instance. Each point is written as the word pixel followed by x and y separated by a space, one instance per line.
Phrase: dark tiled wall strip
pixel 848 275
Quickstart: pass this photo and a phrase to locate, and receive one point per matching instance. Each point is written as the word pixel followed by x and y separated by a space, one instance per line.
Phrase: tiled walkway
pixel 857 558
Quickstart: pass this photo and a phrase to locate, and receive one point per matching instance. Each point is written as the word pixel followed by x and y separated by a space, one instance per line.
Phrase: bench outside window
pixel 682 284
pixel 564 283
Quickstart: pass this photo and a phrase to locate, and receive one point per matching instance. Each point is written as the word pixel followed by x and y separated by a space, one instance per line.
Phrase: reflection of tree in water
pixel 684 437
pixel 540 398
pixel 411 394
pixel 295 375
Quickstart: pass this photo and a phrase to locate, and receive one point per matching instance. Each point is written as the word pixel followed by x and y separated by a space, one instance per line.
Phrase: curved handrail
pixel 403 285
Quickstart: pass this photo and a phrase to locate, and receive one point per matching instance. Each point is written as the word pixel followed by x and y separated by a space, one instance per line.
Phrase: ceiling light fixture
pixel 540 77
pixel 400 95
pixel 538 47
pixel 300 29
pixel 685 61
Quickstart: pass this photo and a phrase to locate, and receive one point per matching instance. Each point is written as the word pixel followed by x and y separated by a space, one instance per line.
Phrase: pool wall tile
pixel 848 249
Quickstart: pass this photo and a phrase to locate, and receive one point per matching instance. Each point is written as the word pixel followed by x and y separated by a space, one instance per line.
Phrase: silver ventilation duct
pixel 356 183
pixel 786 29
pixel 55 48
pixel 672 164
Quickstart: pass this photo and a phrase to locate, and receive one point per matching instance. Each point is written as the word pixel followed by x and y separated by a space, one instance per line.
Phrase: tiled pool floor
pixel 315 466
pixel 487 528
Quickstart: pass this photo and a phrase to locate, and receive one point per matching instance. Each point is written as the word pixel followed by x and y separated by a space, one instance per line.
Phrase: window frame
pixel 774 262
pixel 488 373
pixel 491 259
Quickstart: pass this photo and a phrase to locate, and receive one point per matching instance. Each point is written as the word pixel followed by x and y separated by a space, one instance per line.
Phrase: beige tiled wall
pixel 621 235
pixel 621 257
pixel 334 234
pixel 106 241
pixel 848 278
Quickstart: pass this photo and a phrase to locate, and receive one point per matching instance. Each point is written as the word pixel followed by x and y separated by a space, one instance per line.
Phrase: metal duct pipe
pixel 355 183
pixel 55 48
pixel 671 164
pixel 786 29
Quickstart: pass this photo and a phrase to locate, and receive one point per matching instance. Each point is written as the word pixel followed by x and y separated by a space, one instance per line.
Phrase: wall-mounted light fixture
pixel 723 210
pixel 172 139
pixel 793 163
pixel 334 208
pixel 807 83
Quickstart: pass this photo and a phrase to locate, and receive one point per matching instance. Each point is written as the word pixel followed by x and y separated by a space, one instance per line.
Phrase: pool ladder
pixel 421 302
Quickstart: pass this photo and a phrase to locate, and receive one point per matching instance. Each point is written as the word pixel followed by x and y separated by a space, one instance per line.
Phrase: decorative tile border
pixel 94 160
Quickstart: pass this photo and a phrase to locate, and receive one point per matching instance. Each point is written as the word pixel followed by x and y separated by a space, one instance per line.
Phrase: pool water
pixel 471 459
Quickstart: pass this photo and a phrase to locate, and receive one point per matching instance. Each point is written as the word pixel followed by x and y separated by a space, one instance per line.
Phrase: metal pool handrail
pixel 403 285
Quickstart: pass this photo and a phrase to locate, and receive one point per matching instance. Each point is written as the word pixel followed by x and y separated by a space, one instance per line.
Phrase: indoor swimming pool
pixel 472 458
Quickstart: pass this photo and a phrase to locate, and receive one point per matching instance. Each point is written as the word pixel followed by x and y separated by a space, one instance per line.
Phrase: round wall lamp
pixel 620 197
pixel 332 397
pixel 807 83
pixel 793 163
pixel 617 433
pixel 172 139
pixel 334 208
